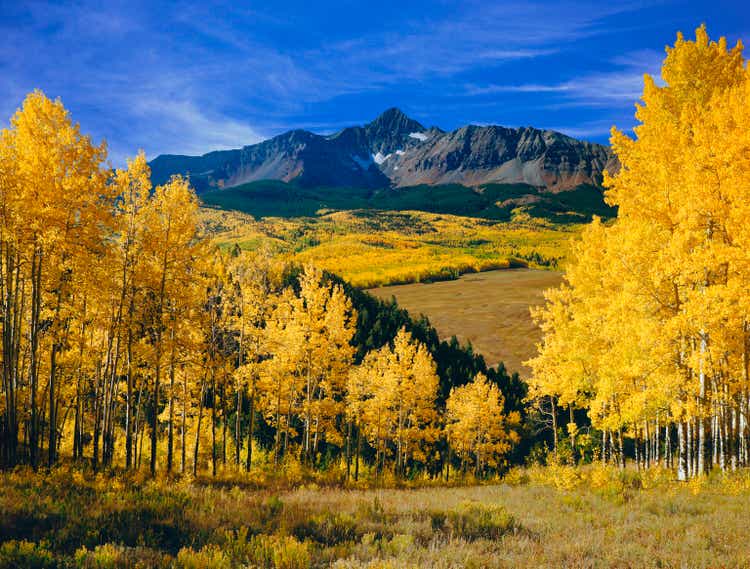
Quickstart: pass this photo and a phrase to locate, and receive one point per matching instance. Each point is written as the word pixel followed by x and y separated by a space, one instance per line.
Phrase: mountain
pixel 396 151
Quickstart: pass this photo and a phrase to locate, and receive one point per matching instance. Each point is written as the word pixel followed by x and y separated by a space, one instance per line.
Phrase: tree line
pixel 650 332
pixel 129 340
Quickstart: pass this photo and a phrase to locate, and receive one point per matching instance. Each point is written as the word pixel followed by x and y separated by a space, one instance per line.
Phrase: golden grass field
pixel 490 310
pixel 543 517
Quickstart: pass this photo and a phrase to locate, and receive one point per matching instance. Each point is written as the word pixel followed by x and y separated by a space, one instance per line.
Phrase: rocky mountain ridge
pixel 396 151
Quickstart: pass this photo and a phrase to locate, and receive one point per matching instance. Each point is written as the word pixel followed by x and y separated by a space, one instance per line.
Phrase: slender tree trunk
pixel 170 434
pixel 137 426
pixel 356 459
pixel 554 423
pixel 238 427
pixel 213 422
pixel 348 449
pixel 52 406
pixel 251 421
pixel 36 292
pixel 155 417
pixel 682 458
pixel 183 426
pixel 224 424
pixel 129 402
pixel 196 446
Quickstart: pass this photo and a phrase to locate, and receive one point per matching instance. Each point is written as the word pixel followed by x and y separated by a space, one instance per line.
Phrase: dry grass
pixel 557 517
pixel 490 310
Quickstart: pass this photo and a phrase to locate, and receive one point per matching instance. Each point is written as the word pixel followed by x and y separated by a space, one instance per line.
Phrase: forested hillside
pixel 130 339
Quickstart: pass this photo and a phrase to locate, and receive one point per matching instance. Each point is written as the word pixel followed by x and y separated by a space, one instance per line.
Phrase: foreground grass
pixel 540 518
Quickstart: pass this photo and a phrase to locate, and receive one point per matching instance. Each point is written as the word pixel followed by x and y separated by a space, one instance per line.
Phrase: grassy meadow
pixel 554 516
pixel 500 202
pixel 490 310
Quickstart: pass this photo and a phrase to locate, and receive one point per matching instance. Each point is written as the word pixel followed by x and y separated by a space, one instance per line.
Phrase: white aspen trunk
pixel 701 446
pixel 735 445
pixel 554 422
pixel 721 423
pixel 715 437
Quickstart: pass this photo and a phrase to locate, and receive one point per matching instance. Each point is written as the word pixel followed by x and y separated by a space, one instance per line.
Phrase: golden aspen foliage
pixel 477 427
pixel 392 397
pixel 650 329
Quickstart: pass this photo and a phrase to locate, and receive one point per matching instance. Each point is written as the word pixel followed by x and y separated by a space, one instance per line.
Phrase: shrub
pixel 472 521
pixel 111 556
pixel 277 552
pixel 209 557
pixel 26 554
pixel 327 528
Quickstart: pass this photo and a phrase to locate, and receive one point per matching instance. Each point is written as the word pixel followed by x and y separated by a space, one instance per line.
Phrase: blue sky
pixel 191 77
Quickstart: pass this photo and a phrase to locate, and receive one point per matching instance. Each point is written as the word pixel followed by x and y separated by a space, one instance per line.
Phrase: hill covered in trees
pixel 122 325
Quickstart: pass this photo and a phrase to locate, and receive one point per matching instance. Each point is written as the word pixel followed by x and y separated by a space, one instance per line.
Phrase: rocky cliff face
pixel 475 155
pixel 394 150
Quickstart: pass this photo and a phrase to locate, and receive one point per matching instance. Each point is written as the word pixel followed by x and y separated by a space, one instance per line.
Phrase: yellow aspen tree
pixel 55 203
pixel 171 231
pixel 654 303
pixel 252 282
pixel 314 329
pixel 477 426
pixel 395 391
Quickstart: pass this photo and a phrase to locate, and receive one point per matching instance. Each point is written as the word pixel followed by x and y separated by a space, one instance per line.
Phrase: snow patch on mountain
pixel 418 135
pixel 379 158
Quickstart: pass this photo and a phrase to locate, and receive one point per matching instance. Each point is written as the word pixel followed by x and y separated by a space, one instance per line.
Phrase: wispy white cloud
pixel 622 85
pixel 482 32
pixel 200 77
pixel 586 130
pixel 191 131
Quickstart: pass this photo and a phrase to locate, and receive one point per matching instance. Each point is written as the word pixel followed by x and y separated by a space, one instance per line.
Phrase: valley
pixel 372 248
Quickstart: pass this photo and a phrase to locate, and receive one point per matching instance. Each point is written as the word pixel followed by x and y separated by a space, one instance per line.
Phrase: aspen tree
pixel 476 425
pixel 652 318
pixel 170 236
pixel 394 392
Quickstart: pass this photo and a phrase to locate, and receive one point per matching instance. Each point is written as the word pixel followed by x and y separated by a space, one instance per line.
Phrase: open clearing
pixel 490 310
pixel 558 518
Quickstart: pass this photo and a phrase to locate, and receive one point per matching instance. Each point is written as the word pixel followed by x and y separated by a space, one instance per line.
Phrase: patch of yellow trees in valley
pixel 651 330
pixel 375 248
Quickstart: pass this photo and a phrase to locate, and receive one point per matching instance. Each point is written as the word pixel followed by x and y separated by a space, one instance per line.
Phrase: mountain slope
pixel 396 151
